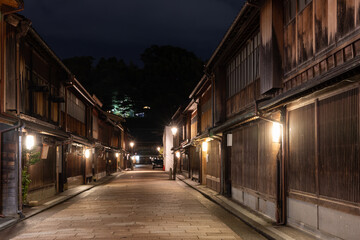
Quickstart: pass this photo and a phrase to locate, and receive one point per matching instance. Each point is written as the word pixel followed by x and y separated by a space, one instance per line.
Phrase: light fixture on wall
pixel 29 142
pixel 276 132
pixel 132 144
pixel 117 155
pixel 177 154
pixel 158 148
pixel 174 130
pixel 87 153
pixel 204 146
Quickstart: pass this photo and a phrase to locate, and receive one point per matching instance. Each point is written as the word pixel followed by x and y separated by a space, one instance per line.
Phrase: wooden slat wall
pixel 334 173
pixel 75 126
pixel 194 124
pixel 339 165
pixel 43 172
pixel 268 151
pixel 317 27
pixel 290 46
pixel 10 68
pixel 301 165
pixel 244 99
pixel 205 106
pixel 115 139
pixel 104 132
pixel 305 34
pixel 213 166
pixel 185 162
pixel 74 162
pixel 112 162
pixel 253 159
pixel 194 162
pixel 100 161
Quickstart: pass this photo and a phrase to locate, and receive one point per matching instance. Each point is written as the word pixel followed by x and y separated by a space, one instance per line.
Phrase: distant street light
pixel 158 148
pixel 132 144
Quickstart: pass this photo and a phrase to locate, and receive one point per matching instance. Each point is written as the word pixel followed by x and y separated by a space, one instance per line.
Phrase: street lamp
pixel 158 148
pixel 132 144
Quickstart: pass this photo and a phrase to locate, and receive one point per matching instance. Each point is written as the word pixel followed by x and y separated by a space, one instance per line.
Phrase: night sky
pixel 124 28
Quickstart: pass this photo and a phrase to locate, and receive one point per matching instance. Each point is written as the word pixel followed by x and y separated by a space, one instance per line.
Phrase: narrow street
pixel 141 204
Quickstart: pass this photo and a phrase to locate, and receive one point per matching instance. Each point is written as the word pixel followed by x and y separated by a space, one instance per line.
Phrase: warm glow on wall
pixel 276 132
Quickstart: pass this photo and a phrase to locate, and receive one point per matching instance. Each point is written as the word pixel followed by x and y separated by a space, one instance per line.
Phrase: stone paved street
pixel 141 204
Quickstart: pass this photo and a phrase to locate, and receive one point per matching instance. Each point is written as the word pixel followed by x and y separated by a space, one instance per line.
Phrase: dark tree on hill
pixel 170 74
pixel 166 80
pixel 82 68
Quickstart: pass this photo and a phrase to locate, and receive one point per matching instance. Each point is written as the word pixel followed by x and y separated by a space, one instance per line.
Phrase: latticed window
pixel 244 68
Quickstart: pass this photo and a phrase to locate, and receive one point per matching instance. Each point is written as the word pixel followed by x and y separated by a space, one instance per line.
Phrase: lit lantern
pixel 177 154
pixel 117 155
pixel 204 146
pixel 174 130
pixel 29 142
pixel 276 132
pixel 87 153
pixel 132 144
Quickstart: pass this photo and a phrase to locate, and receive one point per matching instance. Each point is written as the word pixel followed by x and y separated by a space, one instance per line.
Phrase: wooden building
pixel 73 140
pixel 284 95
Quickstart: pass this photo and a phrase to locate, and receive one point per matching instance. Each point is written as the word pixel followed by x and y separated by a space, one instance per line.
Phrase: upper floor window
pixel 244 68
pixel 76 108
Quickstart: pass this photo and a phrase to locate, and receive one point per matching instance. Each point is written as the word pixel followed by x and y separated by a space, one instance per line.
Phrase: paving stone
pixel 137 205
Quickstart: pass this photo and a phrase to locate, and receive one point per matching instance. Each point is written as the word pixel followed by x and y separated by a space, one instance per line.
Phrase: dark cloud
pixel 125 28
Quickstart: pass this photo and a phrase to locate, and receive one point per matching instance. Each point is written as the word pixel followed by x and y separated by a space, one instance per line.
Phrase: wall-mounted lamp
pixel 174 130
pixel 117 155
pixel 29 142
pixel 132 144
pixel 204 146
pixel 158 148
pixel 177 154
pixel 276 132
pixel 87 153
